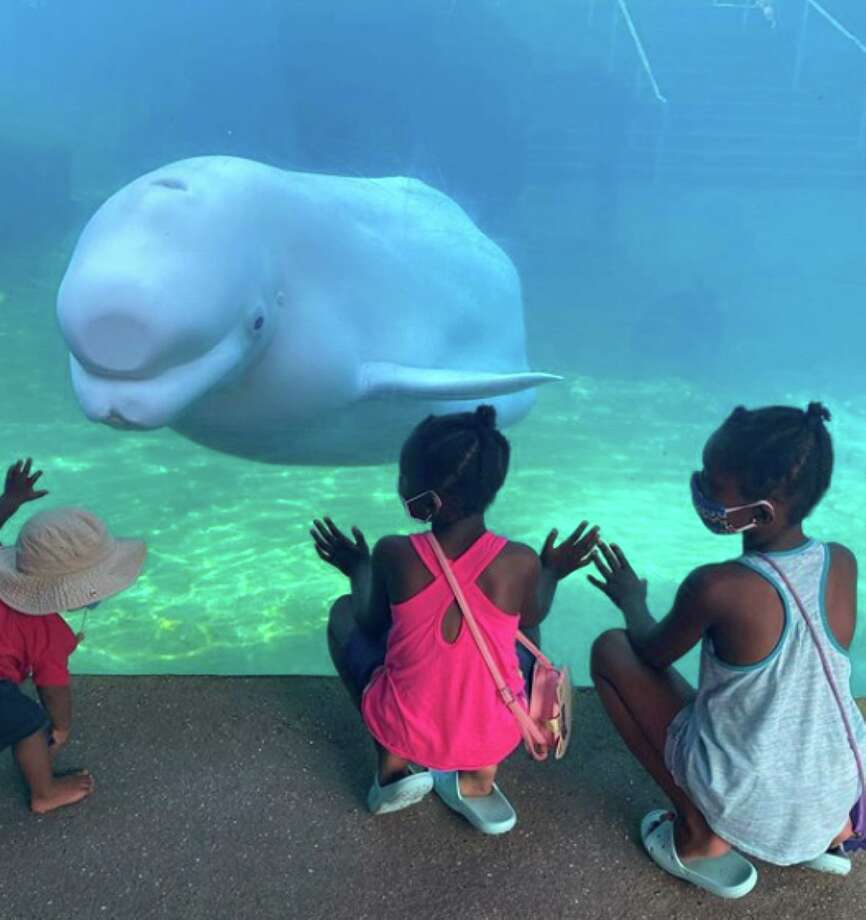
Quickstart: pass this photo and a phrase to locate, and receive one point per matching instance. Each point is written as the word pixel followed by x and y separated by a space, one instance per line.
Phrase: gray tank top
pixel 762 751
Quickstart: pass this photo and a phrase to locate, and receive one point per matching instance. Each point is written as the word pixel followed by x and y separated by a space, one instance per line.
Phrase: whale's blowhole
pixel 177 185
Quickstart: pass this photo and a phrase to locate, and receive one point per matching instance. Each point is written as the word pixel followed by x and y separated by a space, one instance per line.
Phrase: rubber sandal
pixel 728 876
pixel 405 792
pixel 490 814
pixel 834 862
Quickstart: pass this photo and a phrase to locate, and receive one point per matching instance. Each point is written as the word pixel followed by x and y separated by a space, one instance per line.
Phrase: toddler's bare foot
pixel 65 790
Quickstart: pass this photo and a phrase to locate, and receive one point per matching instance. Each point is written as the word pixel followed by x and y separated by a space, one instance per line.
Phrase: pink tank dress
pixel 432 702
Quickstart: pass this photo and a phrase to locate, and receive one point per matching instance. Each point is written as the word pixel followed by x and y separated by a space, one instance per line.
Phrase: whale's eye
pixel 259 322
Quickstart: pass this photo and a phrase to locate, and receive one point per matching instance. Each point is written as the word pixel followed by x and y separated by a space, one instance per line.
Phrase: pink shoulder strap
pixel 530 730
pixel 425 553
pixel 478 557
pixel 470 564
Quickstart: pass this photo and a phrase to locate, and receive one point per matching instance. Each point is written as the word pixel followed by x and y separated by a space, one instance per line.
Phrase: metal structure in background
pixel 724 92
pixel 821 11
pixel 622 15
pixel 812 8
pixel 766 8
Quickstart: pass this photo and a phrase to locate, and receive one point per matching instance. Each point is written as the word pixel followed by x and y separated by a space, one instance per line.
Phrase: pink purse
pixel 546 724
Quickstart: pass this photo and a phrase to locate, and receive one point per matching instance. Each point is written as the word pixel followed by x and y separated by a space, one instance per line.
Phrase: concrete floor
pixel 235 798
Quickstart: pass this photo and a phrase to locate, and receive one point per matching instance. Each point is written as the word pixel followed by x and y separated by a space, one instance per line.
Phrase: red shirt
pixel 35 645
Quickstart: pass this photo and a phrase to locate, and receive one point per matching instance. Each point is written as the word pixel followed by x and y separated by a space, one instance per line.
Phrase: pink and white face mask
pixel 716 517
pixel 423 507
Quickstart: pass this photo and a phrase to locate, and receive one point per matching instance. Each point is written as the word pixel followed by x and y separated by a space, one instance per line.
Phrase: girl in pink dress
pixel 398 640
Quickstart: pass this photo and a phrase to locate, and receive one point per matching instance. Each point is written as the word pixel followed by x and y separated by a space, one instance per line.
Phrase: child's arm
pixel 19 489
pixel 58 703
pixel 552 565
pixel 51 677
pixel 658 643
pixel 372 607
pixel 366 573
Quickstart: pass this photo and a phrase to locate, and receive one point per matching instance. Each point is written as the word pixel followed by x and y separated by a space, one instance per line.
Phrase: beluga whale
pixel 290 318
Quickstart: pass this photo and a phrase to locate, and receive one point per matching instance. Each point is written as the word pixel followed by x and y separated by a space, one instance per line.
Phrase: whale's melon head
pixel 157 306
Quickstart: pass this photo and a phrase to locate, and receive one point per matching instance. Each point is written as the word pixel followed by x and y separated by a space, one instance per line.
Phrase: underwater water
pixel 665 291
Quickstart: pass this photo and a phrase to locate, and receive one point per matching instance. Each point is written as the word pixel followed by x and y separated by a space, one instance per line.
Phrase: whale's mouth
pixel 153 402
pixel 114 420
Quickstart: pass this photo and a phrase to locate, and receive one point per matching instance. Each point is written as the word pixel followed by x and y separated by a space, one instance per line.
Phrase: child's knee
pixel 341 619
pixel 608 649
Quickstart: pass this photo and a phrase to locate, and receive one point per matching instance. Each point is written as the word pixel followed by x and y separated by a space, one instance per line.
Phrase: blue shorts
pixel 365 653
pixel 20 717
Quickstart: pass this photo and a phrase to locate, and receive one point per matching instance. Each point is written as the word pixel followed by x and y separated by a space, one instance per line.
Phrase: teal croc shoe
pixel 405 792
pixel 834 862
pixel 728 876
pixel 490 814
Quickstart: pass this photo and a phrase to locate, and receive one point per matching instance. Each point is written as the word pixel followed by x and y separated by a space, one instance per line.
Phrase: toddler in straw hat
pixel 64 559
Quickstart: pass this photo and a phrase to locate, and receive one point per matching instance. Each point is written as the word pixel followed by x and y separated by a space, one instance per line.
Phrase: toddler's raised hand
pixel 19 485
pixel 573 553
pixel 335 548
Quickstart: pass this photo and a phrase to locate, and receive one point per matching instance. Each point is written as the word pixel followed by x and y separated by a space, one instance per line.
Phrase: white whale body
pixel 289 317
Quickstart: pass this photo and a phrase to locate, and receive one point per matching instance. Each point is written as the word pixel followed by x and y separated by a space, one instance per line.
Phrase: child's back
pixel 433 701
pixel 399 641
pixel 765 721
pixel 765 755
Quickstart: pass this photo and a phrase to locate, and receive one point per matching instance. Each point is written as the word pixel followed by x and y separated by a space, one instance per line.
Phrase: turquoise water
pixel 663 306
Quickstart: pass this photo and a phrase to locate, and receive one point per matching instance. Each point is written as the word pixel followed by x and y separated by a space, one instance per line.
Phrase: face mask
pixel 423 507
pixel 716 517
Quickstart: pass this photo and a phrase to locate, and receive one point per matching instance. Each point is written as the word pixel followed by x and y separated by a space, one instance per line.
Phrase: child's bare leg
pixel 843 835
pixel 341 624
pixel 641 702
pixel 477 782
pixel 391 767
pixel 48 791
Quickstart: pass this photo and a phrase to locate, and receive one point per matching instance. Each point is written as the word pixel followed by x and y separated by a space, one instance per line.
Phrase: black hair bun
pixel 485 417
pixel 817 413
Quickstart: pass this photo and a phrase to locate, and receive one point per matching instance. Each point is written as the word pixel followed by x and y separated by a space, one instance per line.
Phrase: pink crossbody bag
pixel 546 722
pixel 858 812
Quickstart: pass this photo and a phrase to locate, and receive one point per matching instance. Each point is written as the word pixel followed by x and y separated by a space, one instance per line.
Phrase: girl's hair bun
pixel 485 417
pixel 817 413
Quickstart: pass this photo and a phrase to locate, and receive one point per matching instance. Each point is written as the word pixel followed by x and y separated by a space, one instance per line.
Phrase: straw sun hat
pixel 65 558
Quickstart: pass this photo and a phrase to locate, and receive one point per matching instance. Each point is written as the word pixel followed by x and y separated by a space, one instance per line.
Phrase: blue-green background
pixel 677 258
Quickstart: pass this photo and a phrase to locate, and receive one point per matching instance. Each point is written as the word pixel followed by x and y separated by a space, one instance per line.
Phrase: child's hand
pixel 572 554
pixel 335 548
pixel 19 485
pixel 620 583
pixel 59 737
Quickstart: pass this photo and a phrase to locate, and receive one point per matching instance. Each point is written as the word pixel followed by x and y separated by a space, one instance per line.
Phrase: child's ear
pixel 765 514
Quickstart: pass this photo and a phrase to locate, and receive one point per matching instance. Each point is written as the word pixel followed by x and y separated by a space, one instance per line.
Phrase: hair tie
pixel 817 413
pixel 485 417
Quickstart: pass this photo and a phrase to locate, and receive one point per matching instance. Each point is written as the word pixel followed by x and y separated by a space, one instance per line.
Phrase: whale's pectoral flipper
pixel 380 379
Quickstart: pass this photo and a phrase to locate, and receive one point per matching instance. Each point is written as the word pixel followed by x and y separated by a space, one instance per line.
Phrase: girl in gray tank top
pixel 766 755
